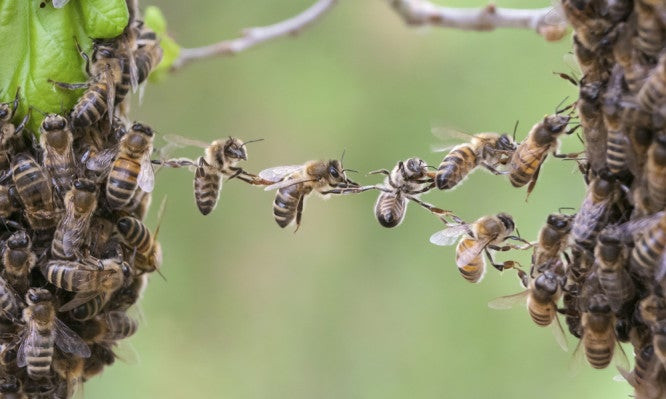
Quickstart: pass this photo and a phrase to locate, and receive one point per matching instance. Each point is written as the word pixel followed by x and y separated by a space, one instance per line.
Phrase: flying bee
pixel 220 161
pixel 652 94
pixel 35 192
pixel 90 278
pixel 130 166
pixel 483 149
pixel 601 194
pixel 655 174
pixel 295 182
pixel 541 296
pixel 526 161
pixel 80 203
pixel 552 240
pixel 611 255
pixel 44 330
pixel 18 259
pixel 599 340
pixel 99 98
pixel 108 327
pixel 56 140
pixel 488 232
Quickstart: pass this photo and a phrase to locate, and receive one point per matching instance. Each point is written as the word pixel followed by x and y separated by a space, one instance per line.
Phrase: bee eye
pixel 3 113
pixel 126 269
pixel 334 172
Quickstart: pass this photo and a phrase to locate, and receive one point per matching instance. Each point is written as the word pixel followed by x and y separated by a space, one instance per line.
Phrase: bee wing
pixel 133 70
pixel 590 216
pixel 558 333
pixel 465 257
pixel 69 341
pixel 110 95
pixel 279 172
pixel 60 3
pixel 449 138
pixel 146 178
pixel 508 301
pixel 450 235
pixel 628 230
pixel 286 183
pixel 620 357
pixel 28 341
pixel 102 160
pixel 126 353
pixel 180 141
pixel 79 299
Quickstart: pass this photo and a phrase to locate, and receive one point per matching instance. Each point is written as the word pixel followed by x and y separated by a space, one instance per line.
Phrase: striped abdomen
pixel 146 58
pixel 61 168
pixel 649 31
pixel 68 275
pixel 541 314
pixel 67 241
pixel 525 162
pixel 655 174
pixel 122 181
pixel 652 94
pixel 390 209
pixel 39 355
pixel 91 106
pixel 135 234
pixel 34 189
pixel 206 189
pixel 474 270
pixel 285 204
pixel 599 346
pixel 618 287
pixel 649 248
pixel 9 305
pixel 120 326
pixel 616 151
pixel 91 308
pixel 586 224
pixel 123 84
pixel 455 167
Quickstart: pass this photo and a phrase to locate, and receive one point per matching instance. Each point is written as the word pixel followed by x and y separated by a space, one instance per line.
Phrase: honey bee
pixel 56 140
pixel 70 370
pixel 18 259
pixel 526 161
pixel 91 308
pixel 638 128
pixel 295 182
pixel 611 256
pixel 10 388
pixel 649 38
pixel 552 240
pixel 148 251
pixel 130 166
pixel 488 232
pixel 642 378
pixel 44 330
pixel 646 257
pixel 10 307
pixel 651 95
pixel 541 296
pixel 90 278
pixel 601 194
pixel 148 53
pixel 616 140
pixel 595 136
pixel 80 203
pixel 590 27
pixel 139 205
pixel 599 339
pixel 100 232
pixel 108 327
pixel 35 192
pixel 8 130
pixel 220 160
pixel 129 294
pixel 655 174
pixel 101 356
pixel 9 201
pixel 593 67
pixel 406 181
pixel 483 149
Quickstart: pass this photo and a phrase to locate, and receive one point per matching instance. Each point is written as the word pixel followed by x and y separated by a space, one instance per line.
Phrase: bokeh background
pixel 345 308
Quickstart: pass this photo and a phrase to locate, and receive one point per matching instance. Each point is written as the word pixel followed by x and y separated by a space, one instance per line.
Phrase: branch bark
pixel 256 35
pixel 545 21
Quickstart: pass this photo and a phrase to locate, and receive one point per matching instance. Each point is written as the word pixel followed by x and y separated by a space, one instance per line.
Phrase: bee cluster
pixel 75 251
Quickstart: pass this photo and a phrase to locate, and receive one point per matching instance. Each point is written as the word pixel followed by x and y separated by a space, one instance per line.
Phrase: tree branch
pixel 256 35
pixel 490 17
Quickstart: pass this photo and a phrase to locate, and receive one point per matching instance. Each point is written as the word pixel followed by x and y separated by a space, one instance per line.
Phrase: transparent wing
pixel 110 95
pixel 450 235
pixel 558 333
pixel 279 172
pixel 466 256
pixel 286 183
pixel 627 231
pixel 68 341
pixel 79 299
pixel 555 15
pixel 146 178
pixel 102 160
pixel 133 71
pixel 450 135
pixel 28 341
pixel 508 301
pixel 180 141
pixel 60 3
pixel 125 352
pixel 590 215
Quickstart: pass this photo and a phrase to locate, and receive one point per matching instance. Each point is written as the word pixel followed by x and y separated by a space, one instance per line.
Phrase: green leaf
pixel 155 20
pixel 47 49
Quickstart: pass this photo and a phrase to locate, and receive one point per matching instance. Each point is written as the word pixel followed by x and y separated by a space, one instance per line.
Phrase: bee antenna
pixel 343 155
pixel 560 209
pixel 349 170
pixel 558 110
pixel 431 167
pixel 38 110
pixel 515 128
pixel 251 141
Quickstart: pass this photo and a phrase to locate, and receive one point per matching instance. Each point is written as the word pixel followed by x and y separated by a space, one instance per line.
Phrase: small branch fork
pixel 256 35
pixel 545 21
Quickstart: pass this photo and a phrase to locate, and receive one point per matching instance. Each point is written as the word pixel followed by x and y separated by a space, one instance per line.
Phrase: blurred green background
pixel 345 308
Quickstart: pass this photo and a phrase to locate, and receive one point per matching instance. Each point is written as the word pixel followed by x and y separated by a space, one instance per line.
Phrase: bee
pixel 642 378
pixel 99 97
pixel 483 149
pixel 99 234
pixel 649 38
pixel 406 181
pixel 526 161
pixel 488 232
pixel 638 128
pixel 598 339
pixel 552 240
pixel 220 160
pixel 651 95
pixel 634 72
pixel 295 182
pixel 593 67
pixel 646 258
pixel 101 356
pixel 590 27
pixel 148 251
pixel 129 294
pixel 80 203
pixel 35 192
pixel 10 307
pixel 18 259
pixel 44 330
pixel 90 279
pixel 56 140
pixel 595 135
pixel 616 140
pixel 10 388
pixel 70 370
pixel 108 327
pixel 148 53
pixel 87 310
pixel 130 166
pixel 541 295
pixel 601 194
pixel 139 204
pixel 9 201
pixel 611 256
pixel 655 174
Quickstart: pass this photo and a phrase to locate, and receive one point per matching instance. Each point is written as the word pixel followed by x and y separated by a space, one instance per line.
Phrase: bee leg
pixel 24 121
pixel 16 101
pixel 83 55
pixel 380 171
pixel 520 239
pixel 431 208
pixel 492 169
pixel 299 212
pixel 70 86
pixel 348 190
pixel 530 187
pixel 237 172
pixel 571 155
pixel 499 266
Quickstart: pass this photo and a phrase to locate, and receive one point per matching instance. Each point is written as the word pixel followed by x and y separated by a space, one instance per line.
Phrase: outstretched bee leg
pixel 299 212
pixel 492 169
pixel 499 266
pixel 350 190
pixel 530 187
pixel 430 207
pixel 70 86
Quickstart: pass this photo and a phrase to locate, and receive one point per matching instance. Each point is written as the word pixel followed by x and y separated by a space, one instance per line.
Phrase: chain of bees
pixel 76 253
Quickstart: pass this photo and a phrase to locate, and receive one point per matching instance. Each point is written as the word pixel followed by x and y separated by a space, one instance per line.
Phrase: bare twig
pixel 256 35
pixel 545 21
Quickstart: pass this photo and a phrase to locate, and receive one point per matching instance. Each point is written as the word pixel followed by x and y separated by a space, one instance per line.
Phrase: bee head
pixel 609 247
pixel 558 221
pixel 54 122
pixel 38 295
pixel 85 185
pixel 5 112
pixel 235 149
pixel 547 282
pixel 506 143
pixel 507 221
pixel 18 240
pixel 415 167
